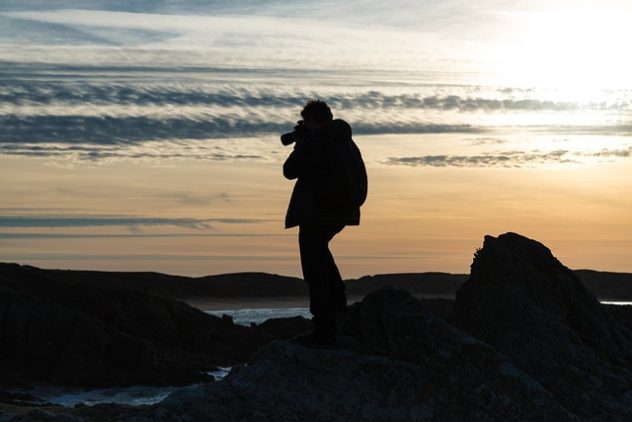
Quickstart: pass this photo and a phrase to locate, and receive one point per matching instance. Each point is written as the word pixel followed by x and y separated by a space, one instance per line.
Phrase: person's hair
pixel 317 110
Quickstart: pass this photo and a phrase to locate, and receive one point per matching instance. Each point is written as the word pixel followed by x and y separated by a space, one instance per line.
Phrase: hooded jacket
pixel 315 164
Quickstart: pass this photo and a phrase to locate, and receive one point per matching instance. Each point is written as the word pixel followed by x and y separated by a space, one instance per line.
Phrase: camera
pixel 296 135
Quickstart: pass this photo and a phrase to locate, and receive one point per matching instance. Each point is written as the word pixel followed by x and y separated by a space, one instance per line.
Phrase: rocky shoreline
pixel 523 341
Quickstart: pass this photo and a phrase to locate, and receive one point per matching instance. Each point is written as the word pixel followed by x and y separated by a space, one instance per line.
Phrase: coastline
pixel 221 304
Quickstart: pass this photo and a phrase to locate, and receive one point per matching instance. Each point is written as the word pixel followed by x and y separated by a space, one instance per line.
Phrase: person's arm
pixel 300 161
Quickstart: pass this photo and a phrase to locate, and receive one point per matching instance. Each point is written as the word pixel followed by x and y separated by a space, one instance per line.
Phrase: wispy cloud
pixel 30 235
pixel 619 153
pixel 504 159
pixel 96 221
pixel 143 151
pixel 196 199
pixel 84 116
pixel 26 257
pixel 241 35
pixel 127 130
pixel 39 210
pixel 70 92
pixel 487 141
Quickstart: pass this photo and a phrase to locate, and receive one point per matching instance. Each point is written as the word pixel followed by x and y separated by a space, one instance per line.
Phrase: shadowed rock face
pixel 60 333
pixel 521 300
pixel 400 363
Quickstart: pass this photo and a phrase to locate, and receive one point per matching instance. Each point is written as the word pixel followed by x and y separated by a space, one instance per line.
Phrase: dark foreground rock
pixel 62 333
pixel 622 313
pixel 97 413
pixel 284 327
pixel 400 362
pixel 532 344
pixel 521 300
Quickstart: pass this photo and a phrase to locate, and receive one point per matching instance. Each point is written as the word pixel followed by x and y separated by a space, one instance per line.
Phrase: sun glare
pixel 577 51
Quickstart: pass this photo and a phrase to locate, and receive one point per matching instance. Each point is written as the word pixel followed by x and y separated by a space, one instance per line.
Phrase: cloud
pixel 80 109
pixel 613 129
pixel 363 128
pixel 30 235
pixel 104 130
pixel 487 141
pixel 72 91
pixel 224 150
pixel 456 102
pixel 135 222
pixel 107 113
pixel 94 137
pixel 620 153
pixel 503 159
pixel 198 32
pixel 27 257
pixel 38 210
pixel 194 199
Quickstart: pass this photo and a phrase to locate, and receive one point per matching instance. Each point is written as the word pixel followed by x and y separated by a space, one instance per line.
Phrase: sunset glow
pixel 577 50
pixel 146 136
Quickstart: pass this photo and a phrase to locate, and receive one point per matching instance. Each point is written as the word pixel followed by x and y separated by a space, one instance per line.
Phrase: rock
pixel 400 362
pixel 112 412
pixel 21 399
pixel 284 328
pixel 521 300
pixel 441 307
pixel 69 334
pixel 622 313
pixel 39 415
pixel 56 413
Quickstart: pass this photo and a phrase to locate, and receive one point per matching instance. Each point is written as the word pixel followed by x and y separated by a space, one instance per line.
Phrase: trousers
pixel 326 288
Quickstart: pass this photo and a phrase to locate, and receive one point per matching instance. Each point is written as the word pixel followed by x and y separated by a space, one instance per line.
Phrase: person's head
pixel 315 113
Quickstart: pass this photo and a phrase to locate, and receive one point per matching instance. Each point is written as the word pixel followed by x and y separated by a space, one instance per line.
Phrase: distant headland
pixel 258 288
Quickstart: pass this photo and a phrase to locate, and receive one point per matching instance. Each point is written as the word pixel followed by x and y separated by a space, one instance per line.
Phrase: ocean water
pixel 257 316
pixel 135 395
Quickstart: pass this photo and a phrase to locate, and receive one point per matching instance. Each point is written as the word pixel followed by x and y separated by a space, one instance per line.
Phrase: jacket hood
pixel 337 129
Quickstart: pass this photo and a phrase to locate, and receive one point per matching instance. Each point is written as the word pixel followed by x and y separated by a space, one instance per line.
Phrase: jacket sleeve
pixel 301 160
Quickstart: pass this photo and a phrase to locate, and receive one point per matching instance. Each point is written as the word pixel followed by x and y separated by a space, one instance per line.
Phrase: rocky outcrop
pixel 400 362
pixel 522 301
pixel 284 327
pixel 67 334
pixel 97 413
pixel 524 341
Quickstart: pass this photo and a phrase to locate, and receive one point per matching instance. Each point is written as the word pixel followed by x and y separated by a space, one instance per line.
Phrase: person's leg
pixel 313 250
pixel 321 274
pixel 336 284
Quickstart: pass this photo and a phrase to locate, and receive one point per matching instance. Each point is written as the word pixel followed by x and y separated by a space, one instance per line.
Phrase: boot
pixel 322 337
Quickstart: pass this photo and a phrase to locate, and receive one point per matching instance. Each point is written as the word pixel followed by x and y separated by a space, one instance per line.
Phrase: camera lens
pixel 287 138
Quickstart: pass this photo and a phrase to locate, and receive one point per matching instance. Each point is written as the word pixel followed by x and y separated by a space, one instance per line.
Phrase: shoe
pixel 316 340
pixel 342 310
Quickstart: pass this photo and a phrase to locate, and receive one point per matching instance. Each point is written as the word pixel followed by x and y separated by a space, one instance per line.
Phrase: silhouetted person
pixel 330 188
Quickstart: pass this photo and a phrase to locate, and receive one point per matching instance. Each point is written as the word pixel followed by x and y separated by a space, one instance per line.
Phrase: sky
pixel 144 135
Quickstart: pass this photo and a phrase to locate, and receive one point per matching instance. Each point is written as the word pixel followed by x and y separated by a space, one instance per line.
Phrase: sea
pixel 250 316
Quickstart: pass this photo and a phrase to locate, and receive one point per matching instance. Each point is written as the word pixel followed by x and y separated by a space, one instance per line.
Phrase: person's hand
pixel 299 131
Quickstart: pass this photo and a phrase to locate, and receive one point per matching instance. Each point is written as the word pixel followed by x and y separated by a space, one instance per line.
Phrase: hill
pixel 605 285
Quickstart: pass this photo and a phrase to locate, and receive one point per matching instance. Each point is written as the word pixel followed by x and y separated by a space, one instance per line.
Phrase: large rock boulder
pixel 400 362
pixel 62 333
pixel 521 300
